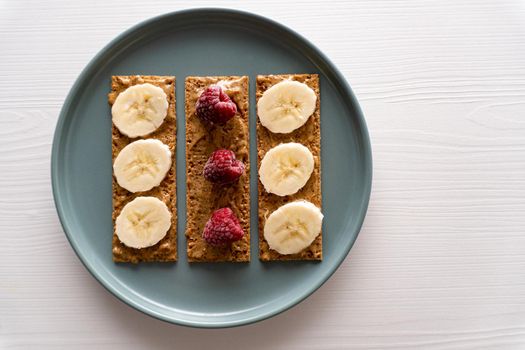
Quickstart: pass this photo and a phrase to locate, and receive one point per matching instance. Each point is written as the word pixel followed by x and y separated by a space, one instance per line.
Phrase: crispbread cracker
pixel 310 136
pixel 166 249
pixel 203 197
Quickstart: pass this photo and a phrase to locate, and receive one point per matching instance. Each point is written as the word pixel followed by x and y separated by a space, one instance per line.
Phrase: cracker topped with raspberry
pixel 217 169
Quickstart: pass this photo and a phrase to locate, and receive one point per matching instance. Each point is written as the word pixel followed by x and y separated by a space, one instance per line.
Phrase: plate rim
pixel 58 137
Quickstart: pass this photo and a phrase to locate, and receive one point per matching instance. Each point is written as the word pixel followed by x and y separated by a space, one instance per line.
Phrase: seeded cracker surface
pixel 310 136
pixel 204 197
pixel 166 249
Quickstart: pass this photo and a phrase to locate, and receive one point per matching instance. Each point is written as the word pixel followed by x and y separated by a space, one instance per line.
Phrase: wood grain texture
pixel 440 261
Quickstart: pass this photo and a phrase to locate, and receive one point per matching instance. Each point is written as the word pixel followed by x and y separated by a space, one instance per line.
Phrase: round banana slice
pixel 293 227
pixel 139 110
pixel 286 106
pixel 142 165
pixel 143 222
pixel 286 168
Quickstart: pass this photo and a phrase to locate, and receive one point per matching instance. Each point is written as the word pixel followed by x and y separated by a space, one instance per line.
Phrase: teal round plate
pixel 206 42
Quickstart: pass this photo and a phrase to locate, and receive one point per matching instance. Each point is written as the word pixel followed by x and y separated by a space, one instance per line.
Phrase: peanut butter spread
pixel 310 136
pixel 202 196
pixel 166 248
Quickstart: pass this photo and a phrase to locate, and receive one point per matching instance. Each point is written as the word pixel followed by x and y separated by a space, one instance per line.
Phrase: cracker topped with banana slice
pixel 143 148
pixel 289 154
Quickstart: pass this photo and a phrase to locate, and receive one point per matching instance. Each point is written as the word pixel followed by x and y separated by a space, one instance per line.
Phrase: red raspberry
pixel 222 228
pixel 215 106
pixel 222 167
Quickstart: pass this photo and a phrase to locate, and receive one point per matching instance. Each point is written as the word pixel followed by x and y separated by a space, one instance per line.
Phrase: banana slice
pixel 143 222
pixel 293 227
pixel 140 109
pixel 286 168
pixel 286 106
pixel 142 165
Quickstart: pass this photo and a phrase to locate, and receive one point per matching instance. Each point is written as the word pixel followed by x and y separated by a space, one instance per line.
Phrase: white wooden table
pixel 440 262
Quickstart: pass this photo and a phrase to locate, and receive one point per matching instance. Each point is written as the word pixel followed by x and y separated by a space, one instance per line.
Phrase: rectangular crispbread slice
pixel 166 249
pixel 310 136
pixel 203 197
